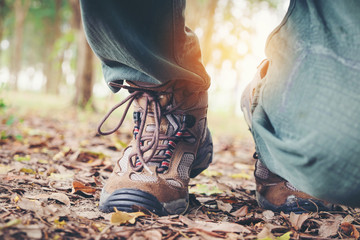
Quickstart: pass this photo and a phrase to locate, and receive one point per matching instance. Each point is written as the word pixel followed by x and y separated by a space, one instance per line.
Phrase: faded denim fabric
pixel 306 125
pixel 144 41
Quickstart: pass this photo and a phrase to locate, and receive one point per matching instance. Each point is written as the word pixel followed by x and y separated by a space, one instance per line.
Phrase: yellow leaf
pixel 16 198
pixel 44 150
pixel 205 189
pixel 118 143
pixel 56 237
pixel 241 175
pixel 211 173
pixel 28 170
pixel 285 236
pixel 59 224
pixel 43 161
pixel 58 156
pixel 66 149
pixel 84 143
pixel 25 158
pixel 99 226
pixel 10 223
pixel 119 217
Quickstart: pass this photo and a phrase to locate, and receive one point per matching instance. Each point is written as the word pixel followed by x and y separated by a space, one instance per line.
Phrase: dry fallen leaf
pixel 11 223
pixel 58 156
pixel 48 218
pixel 119 217
pixel 265 233
pixel 268 214
pixel 241 175
pixel 226 207
pixel 212 226
pixel 33 231
pixel 59 176
pixel 79 186
pixel 348 219
pixel 28 170
pixel 350 230
pixel 297 220
pixel 89 156
pixel 241 212
pixel 329 228
pixel 206 189
pixel 211 173
pixel 89 214
pixel 35 206
pixel 61 197
pixel 153 235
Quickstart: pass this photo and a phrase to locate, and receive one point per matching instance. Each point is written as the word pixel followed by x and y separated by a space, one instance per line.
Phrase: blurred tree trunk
pixel 197 10
pixel 21 8
pixel 84 65
pixel 84 76
pixel 2 19
pixel 208 32
pixel 52 69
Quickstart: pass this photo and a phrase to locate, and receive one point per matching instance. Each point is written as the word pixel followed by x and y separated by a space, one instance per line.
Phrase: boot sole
pixel 126 198
pixel 294 204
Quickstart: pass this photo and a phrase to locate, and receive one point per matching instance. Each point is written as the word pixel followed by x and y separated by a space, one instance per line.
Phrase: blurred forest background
pixel 43 49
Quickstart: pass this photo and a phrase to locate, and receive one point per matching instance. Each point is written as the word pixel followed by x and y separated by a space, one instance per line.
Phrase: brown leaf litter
pixel 51 178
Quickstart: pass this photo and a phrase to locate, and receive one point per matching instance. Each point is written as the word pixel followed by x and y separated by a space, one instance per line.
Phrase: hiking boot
pixel 272 191
pixel 276 194
pixel 171 144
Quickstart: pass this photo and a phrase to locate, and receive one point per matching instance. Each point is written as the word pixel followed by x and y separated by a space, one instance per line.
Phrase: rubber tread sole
pixel 296 205
pixel 124 199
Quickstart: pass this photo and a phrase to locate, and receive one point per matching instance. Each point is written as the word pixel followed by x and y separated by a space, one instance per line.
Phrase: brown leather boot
pixel 276 194
pixel 171 144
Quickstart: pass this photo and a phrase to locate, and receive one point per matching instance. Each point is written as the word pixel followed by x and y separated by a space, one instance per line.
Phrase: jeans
pixel 144 41
pixel 306 122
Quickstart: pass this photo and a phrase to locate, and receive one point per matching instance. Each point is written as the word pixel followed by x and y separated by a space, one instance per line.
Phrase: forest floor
pixel 53 165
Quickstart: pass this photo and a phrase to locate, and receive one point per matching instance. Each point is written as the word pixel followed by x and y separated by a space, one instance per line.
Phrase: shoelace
pixel 137 158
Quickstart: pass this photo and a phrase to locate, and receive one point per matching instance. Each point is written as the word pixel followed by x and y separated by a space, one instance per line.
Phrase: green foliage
pixel 63 43
pixel 2 105
pixel 285 236
pixel 205 189
pixel 4 8
pixel 3 135
pixel 25 158
pixel 40 20
pixel 10 120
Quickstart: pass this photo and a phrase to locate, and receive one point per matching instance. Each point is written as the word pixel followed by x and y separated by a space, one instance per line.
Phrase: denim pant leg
pixel 306 124
pixel 144 41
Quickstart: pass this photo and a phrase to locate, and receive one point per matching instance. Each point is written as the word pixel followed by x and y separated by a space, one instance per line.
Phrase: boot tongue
pixel 142 101
pixel 175 92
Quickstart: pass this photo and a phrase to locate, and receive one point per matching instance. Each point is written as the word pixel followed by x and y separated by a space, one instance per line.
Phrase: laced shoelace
pixel 136 158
